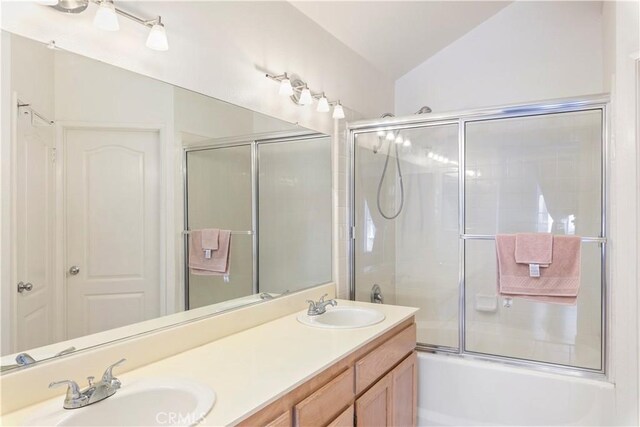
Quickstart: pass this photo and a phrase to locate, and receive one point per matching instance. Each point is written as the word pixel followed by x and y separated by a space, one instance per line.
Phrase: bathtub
pixel 456 392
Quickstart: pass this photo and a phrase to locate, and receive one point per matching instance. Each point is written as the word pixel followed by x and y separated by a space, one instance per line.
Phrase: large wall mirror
pixel 137 204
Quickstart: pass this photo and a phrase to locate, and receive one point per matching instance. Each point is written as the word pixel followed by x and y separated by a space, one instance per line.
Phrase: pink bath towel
pixel 218 264
pixel 534 248
pixel 558 283
pixel 210 237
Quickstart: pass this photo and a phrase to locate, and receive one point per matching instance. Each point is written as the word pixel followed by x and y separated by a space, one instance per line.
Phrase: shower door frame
pixel 232 142
pixel 461 118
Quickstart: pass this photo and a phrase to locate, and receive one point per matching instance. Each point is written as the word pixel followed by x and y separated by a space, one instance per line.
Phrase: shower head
pixel 424 110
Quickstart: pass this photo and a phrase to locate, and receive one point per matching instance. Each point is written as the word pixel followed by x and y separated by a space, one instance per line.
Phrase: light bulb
pixel 323 104
pixel 338 111
pixel 285 87
pixel 407 143
pixel 305 97
pixel 390 136
pixel 399 140
pixel 380 133
pixel 430 155
pixel 106 17
pixel 157 39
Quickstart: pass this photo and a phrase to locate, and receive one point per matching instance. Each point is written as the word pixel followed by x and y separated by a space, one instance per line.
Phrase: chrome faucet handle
pixel 90 380
pixel 73 390
pixel 322 298
pixel 23 359
pixel 108 377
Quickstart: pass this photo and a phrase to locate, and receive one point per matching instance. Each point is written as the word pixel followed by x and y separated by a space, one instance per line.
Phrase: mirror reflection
pixel 138 204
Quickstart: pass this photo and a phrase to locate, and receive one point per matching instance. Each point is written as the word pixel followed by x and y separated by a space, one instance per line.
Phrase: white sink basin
pixel 158 402
pixel 343 317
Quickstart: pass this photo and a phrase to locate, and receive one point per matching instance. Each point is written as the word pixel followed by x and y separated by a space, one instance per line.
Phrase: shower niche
pixel 430 192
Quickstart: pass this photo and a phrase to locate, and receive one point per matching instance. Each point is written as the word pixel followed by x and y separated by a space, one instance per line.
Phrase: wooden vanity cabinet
pixel 374 386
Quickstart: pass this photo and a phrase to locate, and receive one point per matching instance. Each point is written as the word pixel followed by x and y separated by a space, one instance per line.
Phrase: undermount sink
pixel 343 317
pixel 158 402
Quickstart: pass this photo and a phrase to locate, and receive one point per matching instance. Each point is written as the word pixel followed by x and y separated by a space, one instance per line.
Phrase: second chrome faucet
pixel 95 392
pixel 319 307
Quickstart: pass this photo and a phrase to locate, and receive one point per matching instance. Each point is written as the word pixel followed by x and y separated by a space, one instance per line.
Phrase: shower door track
pixel 461 118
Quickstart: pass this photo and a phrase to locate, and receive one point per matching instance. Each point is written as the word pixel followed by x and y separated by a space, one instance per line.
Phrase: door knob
pixel 24 287
pixel 74 270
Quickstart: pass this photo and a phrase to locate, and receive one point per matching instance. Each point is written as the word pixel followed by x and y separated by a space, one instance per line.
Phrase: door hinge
pixel 352 232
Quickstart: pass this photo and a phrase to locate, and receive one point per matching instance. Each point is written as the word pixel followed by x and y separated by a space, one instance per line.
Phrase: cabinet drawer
pixel 325 404
pixel 375 364
pixel 345 419
pixel 283 420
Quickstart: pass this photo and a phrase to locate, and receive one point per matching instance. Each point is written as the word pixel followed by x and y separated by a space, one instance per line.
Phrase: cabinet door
pixel 374 408
pixel 404 392
pixel 345 419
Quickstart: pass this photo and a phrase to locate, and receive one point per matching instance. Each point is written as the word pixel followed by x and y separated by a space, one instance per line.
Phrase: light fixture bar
pixel 146 22
pixel 298 86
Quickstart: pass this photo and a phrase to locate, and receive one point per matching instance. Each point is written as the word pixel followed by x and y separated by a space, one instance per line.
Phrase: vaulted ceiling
pixel 396 36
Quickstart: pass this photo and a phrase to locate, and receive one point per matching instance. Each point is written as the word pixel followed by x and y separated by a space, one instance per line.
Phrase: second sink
pixel 343 317
pixel 166 402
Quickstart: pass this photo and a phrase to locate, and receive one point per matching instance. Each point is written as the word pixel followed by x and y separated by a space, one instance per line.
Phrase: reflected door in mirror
pixel 35 180
pixel 112 228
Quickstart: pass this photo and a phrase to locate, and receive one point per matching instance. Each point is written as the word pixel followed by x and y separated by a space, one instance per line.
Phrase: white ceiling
pixel 397 36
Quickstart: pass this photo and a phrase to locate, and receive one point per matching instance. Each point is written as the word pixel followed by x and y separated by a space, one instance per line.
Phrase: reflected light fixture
pixel 399 139
pixel 157 39
pixel 390 136
pixel 285 86
pixel 305 96
pixel 338 111
pixel 106 17
pixel 407 143
pixel 323 104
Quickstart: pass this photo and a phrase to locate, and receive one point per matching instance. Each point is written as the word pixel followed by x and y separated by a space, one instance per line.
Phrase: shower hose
pixel 384 172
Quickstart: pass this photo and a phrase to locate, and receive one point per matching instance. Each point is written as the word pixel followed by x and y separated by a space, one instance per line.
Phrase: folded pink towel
pixel 558 283
pixel 218 264
pixel 534 248
pixel 210 239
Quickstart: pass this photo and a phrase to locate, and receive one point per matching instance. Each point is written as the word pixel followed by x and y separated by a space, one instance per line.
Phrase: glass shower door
pixel 534 174
pixel 295 215
pixel 219 195
pixel 406 219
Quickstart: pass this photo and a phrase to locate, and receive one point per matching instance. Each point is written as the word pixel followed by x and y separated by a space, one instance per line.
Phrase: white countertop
pixel 255 367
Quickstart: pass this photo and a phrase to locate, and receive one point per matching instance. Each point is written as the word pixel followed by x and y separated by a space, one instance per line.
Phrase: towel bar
pixel 249 232
pixel 492 237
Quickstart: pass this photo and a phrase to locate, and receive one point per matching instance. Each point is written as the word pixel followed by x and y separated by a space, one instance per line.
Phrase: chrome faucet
pixel 95 392
pixel 319 307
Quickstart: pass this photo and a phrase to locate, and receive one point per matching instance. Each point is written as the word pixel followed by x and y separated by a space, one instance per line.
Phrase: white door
pixel 112 192
pixel 35 221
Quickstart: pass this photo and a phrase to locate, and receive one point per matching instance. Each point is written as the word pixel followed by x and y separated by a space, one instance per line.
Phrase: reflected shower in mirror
pixel 116 174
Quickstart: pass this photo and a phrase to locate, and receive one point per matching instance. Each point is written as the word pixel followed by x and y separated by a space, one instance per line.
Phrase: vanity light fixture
pixel 338 111
pixel 305 96
pixel 300 94
pixel 285 86
pixel 106 18
pixel 157 39
pixel 323 104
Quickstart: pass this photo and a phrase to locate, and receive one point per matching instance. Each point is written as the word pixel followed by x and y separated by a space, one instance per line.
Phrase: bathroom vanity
pixel 373 386
pixel 277 373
